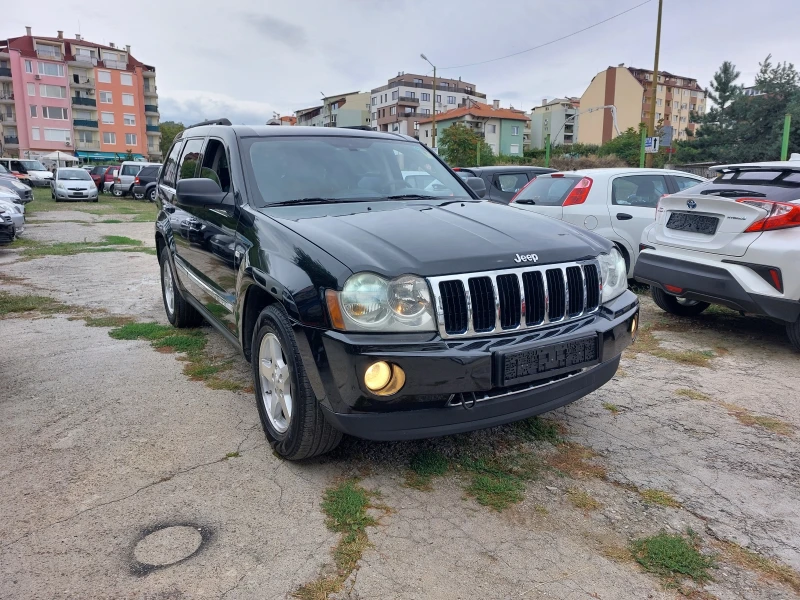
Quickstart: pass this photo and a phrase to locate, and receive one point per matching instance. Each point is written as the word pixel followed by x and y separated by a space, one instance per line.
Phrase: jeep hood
pixel 392 238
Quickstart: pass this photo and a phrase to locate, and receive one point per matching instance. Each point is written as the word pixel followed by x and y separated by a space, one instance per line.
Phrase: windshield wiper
pixel 296 201
pixel 734 193
pixel 413 197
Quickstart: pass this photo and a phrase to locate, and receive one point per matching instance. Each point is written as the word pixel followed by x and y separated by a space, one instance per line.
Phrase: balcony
pixel 84 83
pixel 54 54
pixel 153 128
pixel 6 98
pixel 150 108
pixel 115 64
pixel 150 90
pixel 84 124
pixel 11 140
pixel 7 119
pixel 84 101
pixel 81 60
pixel 5 73
pixel 407 100
pixel 94 145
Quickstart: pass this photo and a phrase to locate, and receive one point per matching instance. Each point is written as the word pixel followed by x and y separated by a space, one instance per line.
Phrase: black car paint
pixel 292 254
pixel 489 176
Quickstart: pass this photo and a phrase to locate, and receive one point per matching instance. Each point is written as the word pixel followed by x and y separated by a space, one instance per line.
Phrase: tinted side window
pixel 684 183
pixel 510 182
pixel 215 164
pixel 171 166
pixel 190 158
pixel 638 190
pixel 130 169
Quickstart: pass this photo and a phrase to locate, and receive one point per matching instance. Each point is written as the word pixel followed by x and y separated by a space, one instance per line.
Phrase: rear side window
pixel 510 182
pixel 638 190
pixel 548 191
pixel 148 172
pixel 171 166
pixel 131 169
pixel 684 183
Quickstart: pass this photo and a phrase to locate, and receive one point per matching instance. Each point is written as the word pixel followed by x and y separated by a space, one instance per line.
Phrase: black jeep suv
pixel 371 308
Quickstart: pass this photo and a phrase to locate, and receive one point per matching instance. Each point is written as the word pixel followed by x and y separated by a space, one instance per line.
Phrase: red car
pixel 108 178
pixel 97 174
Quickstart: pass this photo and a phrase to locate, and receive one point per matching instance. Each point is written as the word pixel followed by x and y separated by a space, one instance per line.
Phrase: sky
pixel 248 60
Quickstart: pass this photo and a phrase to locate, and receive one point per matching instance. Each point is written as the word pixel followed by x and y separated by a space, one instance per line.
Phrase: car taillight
pixel 116 180
pixel 136 180
pixel 522 189
pixel 780 215
pixel 579 193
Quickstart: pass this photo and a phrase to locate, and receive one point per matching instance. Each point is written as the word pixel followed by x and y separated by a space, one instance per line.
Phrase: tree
pixel 626 146
pixel 169 129
pixel 458 146
pixel 128 155
pixel 723 87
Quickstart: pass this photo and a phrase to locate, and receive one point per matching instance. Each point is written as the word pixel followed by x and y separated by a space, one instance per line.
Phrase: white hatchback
pixel 615 203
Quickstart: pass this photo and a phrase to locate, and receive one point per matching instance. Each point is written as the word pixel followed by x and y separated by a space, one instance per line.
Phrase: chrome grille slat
pixel 515 309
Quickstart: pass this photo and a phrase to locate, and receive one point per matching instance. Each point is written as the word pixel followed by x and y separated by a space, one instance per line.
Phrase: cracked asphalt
pixel 103 440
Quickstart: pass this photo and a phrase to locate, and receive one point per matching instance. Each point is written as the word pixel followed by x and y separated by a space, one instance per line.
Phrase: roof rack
pixel 211 122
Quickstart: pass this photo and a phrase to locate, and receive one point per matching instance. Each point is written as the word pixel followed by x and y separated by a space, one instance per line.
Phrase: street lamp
pixel 433 101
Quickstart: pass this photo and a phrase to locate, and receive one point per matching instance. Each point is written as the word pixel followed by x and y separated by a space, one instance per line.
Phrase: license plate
pixel 537 363
pixel 693 223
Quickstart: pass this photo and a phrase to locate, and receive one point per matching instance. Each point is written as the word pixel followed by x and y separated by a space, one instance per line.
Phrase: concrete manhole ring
pixel 164 545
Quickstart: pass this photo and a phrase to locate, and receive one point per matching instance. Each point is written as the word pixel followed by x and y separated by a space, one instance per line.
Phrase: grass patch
pixel 141 331
pixel 423 466
pixel 110 243
pixel 15 304
pixel 672 557
pixel 346 509
pixel 745 417
pixel 573 460
pixel 232 455
pixel 768 568
pixel 694 395
pixel 182 342
pixel 536 429
pixel 612 408
pixel 647 343
pixel 112 221
pixel 106 205
pixel 121 240
pixel 582 500
pixel 499 481
pixel 616 553
pixel 106 321
pixel 659 497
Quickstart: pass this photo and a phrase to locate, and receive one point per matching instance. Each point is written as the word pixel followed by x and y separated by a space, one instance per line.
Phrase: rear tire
pixel 278 369
pixel 180 313
pixel 152 195
pixel 793 331
pixel 116 192
pixel 677 306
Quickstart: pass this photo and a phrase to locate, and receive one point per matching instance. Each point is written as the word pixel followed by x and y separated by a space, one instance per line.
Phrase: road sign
pixel 651 145
pixel 666 136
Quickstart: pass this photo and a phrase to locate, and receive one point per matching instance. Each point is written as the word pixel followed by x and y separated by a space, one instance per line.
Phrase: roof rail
pixel 211 122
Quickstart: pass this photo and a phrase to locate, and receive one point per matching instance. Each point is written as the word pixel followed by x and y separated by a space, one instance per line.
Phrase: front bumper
pixel 40 182
pixel 7 233
pixel 707 283
pixel 454 386
pixel 75 195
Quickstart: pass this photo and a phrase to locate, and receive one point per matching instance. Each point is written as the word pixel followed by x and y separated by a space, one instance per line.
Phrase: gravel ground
pixel 103 442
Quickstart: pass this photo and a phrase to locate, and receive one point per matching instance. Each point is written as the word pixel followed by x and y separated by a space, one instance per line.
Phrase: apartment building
pixel 309 117
pixel 501 128
pixel 405 100
pixel 630 90
pixel 557 118
pixel 95 101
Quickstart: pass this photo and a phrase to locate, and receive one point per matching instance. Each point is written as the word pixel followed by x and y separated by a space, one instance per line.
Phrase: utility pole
pixel 652 125
pixel 787 125
pixel 433 102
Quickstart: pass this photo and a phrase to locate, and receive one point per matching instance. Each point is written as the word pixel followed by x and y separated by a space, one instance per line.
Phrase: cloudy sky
pixel 244 60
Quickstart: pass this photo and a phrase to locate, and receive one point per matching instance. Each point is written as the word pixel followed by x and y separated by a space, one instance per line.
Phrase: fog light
pixel 634 326
pixel 383 379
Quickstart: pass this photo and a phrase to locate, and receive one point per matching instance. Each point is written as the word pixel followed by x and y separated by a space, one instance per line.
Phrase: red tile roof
pixel 25 45
pixel 485 111
pixel 290 120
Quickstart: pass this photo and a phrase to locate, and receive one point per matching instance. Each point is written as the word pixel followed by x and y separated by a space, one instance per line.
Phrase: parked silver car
pixel 73 184
pixel 124 180
pixel 14 185
pixel 15 211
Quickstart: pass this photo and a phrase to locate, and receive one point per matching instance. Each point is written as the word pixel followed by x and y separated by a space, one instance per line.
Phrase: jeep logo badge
pixel 526 258
pixel 691 204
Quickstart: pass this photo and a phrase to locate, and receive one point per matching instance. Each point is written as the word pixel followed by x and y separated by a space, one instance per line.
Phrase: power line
pixel 483 62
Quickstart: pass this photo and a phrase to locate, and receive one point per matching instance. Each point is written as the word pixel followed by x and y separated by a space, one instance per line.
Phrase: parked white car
pixel 615 203
pixel 734 241
pixel 73 183
pixel 9 204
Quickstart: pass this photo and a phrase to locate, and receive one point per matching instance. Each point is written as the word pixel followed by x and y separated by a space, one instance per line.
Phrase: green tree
pixel 128 155
pixel 458 147
pixel 625 146
pixel 169 129
pixel 723 89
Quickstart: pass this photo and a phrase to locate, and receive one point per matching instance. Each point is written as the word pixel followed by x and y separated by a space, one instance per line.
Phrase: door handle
pixel 624 217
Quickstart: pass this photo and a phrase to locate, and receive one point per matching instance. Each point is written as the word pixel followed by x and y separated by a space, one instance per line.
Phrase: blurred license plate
pixel 693 223
pixel 536 363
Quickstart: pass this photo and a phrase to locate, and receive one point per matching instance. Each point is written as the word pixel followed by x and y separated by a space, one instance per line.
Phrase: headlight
pixel 368 302
pixel 614 274
pixel 61 186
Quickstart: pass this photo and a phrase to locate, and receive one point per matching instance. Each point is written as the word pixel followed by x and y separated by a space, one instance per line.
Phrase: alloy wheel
pixel 169 287
pixel 276 383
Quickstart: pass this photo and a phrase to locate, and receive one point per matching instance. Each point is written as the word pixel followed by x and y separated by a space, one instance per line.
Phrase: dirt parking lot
pixel 133 464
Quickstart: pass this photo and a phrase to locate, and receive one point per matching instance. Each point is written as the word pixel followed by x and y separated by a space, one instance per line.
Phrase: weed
pixel 497 491
pixel 613 408
pixel 110 243
pixel 659 497
pixel 12 303
pixel 106 321
pixel 499 481
pixel 572 459
pixel 217 383
pixel 202 370
pixel 621 373
pixel 767 567
pixel 745 417
pixel 112 221
pixel 232 455
pixel 694 395
pixel 616 553
pixel 424 465
pixel 582 500
pixel 536 429
pixel 141 331
pixel 121 240
pixel 191 343
pixel 672 557
pixel 647 343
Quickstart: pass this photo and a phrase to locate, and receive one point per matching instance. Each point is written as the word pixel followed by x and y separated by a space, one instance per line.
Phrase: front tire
pixel 290 413
pixel 793 331
pixel 674 305
pixel 152 195
pixel 180 313
pixel 117 192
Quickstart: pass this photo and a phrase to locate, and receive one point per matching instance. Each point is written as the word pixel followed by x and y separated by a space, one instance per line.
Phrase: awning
pixel 119 157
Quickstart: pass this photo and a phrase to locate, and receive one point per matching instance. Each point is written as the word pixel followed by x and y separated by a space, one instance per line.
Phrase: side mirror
pixel 199 191
pixel 477 185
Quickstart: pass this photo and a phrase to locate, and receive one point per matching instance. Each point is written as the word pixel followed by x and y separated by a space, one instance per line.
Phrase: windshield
pixel 338 168
pixel 32 165
pixel 3 169
pixel 73 174
pixel 547 190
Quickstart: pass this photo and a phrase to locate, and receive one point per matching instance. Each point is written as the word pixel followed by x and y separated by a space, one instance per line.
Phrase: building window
pixel 416 125
pixel 107 118
pixel 33 111
pixel 28 66
pixel 51 69
pixel 417 81
pixel 104 76
pixel 109 137
pixel 54 112
pixel 110 56
pixel 451 99
pixel 374 100
pixel 683 106
pixel 426 97
pixel 127 100
pixel 427 132
pixel 82 114
pixel 644 100
pixel 514 148
pixel 374 116
pixel 426 111
pixel 105 97
pixel 492 128
pixel 31 89
pixel 660 87
pixel 515 130
pixel 35 134
pixel 57 135
pixel 392 110
pixel 674 117
pixel 52 91
pixel 658 115
pixel 394 95
pixel 130 139
pixel 126 79
pixel 85 136
pixel 439 98
pixel 411 95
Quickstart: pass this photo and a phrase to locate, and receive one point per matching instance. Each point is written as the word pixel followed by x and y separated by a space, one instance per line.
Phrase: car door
pixel 632 205
pixel 506 185
pixel 207 241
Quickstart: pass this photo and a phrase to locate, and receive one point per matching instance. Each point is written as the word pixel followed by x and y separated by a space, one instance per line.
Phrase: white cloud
pixel 192 106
